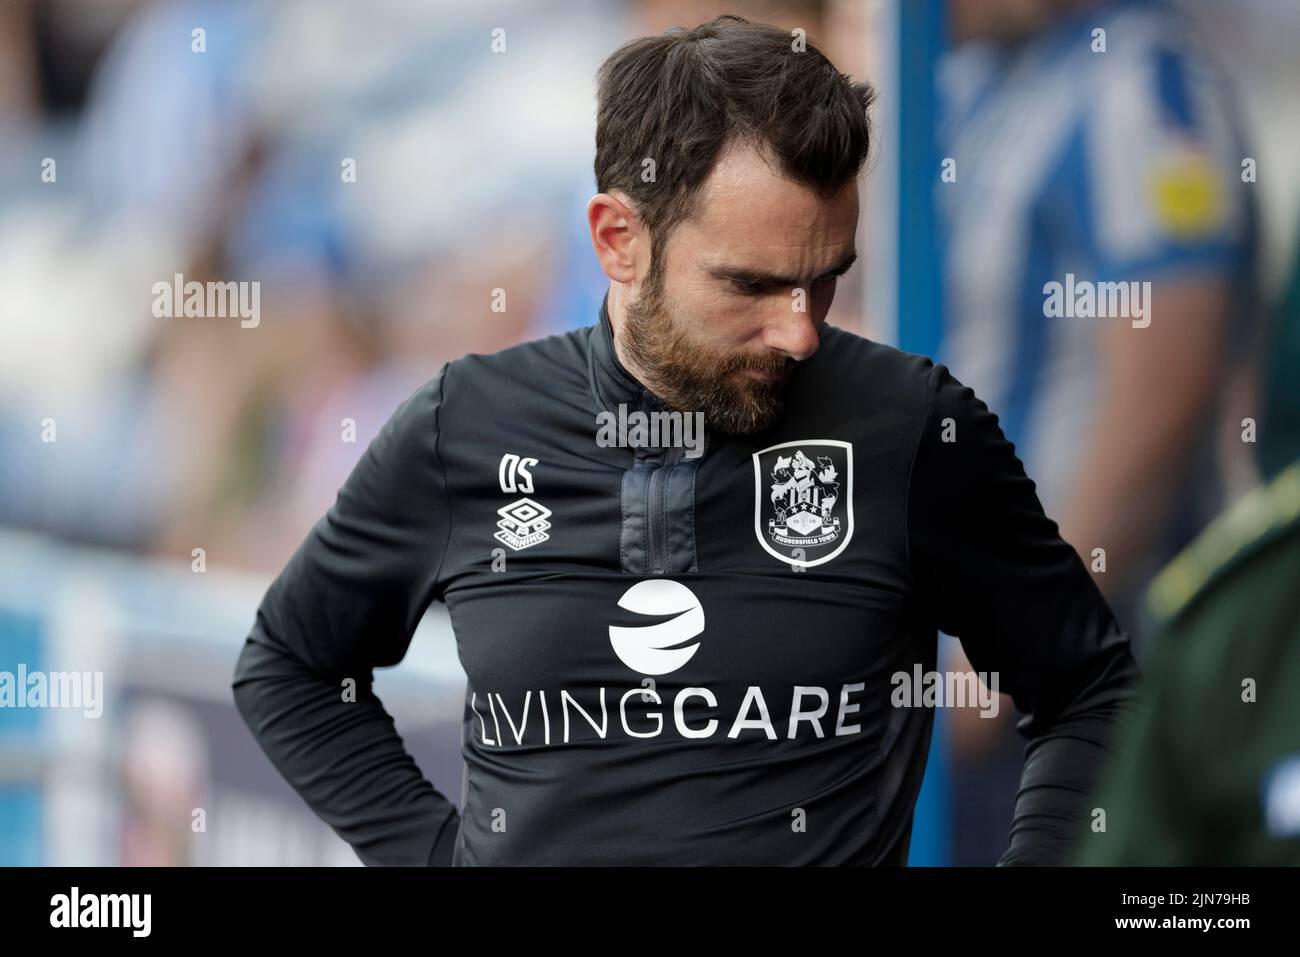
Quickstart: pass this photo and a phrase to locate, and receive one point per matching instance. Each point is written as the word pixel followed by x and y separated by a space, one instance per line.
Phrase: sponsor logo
pixel 653 649
pixel 1186 193
pixel 803 500
pixel 532 717
pixel 558 716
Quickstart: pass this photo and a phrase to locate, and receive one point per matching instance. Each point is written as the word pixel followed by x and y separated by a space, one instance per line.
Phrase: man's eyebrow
pixel 758 277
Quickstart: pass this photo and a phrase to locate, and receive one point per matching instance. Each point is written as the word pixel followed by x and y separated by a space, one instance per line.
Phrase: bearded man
pixel 663 669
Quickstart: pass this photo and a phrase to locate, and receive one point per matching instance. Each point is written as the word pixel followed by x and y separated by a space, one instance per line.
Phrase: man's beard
pixel 689 377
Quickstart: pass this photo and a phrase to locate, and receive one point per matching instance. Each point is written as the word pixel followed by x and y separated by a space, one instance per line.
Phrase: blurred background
pixel 380 169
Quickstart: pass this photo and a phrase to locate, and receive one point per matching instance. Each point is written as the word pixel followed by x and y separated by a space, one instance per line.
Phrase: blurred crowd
pixel 380 170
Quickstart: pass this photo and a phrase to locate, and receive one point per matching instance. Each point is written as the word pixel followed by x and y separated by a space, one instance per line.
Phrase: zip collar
pixel 611 383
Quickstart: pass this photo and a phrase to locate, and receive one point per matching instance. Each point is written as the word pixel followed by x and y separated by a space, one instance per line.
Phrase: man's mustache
pixel 774 363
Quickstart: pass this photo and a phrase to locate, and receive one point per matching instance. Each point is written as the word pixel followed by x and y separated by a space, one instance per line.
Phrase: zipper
pixel 657 513
pixel 655 524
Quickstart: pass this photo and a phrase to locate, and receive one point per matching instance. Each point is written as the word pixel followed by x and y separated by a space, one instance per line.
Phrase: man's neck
pixel 617 309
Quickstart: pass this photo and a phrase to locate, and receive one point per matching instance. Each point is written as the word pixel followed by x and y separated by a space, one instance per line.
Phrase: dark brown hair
pixel 680 97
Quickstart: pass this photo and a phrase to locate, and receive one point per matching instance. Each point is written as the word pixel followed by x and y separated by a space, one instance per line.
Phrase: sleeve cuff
pixel 445 844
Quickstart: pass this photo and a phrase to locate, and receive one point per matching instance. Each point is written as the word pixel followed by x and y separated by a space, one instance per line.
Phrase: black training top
pixel 688 653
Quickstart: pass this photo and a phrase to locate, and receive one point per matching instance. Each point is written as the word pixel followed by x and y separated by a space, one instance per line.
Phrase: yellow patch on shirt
pixel 1187 195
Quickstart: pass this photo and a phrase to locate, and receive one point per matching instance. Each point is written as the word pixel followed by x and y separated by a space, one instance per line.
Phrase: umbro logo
pixel 523 522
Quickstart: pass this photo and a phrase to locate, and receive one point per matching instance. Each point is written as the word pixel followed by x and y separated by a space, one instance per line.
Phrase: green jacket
pixel 1208 771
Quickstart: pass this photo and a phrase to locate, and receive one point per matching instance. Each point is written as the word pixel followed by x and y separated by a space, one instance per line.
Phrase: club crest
pixel 803 500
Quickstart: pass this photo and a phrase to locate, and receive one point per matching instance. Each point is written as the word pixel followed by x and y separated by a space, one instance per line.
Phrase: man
pixel 1210 772
pixel 684 649
pixel 1098 157
pixel 1093 147
pixel 1279 419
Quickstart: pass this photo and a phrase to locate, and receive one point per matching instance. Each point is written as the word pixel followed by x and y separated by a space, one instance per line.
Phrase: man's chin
pixel 750 409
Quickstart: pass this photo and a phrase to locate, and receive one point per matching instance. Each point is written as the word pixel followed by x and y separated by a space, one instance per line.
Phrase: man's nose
pixel 794 333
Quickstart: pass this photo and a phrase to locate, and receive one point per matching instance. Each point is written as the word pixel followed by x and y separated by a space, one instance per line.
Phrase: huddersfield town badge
pixel 803 500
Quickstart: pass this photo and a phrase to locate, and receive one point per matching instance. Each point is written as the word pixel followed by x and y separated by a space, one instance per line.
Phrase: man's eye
pixel 746 288
pixel 825 281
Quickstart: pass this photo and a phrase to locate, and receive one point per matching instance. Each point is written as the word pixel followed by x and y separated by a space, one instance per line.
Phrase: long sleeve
pixel 348 601
pixel 992 569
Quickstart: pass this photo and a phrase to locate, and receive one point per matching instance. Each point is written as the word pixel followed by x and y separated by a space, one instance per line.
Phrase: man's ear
pixel 617 235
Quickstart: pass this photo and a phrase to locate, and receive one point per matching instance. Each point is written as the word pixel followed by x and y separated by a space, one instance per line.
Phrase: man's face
pixel 741 292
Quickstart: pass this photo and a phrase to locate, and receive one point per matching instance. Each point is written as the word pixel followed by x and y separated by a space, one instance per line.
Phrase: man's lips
pixel 764 375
